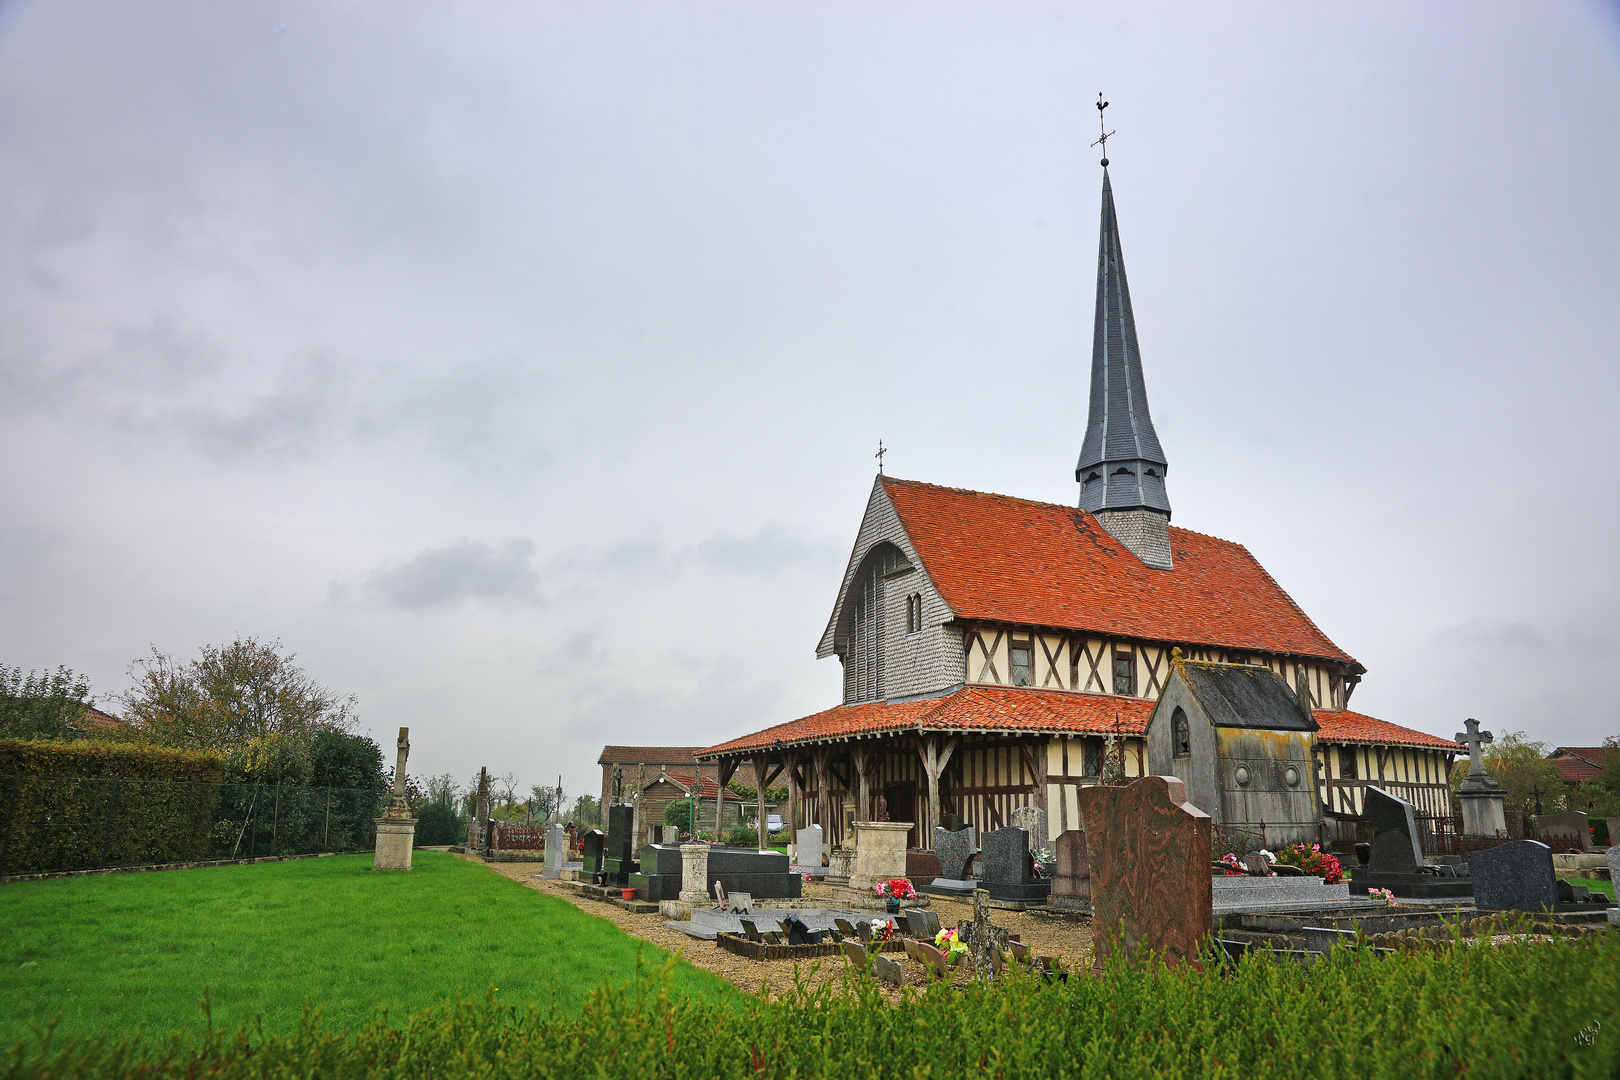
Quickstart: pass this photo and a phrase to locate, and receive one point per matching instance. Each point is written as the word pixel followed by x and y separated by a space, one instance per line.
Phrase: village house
pixel 1001 653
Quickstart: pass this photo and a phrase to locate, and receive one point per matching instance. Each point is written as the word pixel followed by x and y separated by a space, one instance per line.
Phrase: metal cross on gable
pixel 1473 738
pixel 879 455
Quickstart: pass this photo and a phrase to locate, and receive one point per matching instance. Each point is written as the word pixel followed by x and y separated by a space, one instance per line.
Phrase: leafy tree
pixel 42 705
pixel 680 814
pixel 344 760
pixel 443 788
pixel 586 814
pixel 233 694
pixel 542 801
pixel 275 758
pixel 1610 776
pixel 1520 766
pixel 772 794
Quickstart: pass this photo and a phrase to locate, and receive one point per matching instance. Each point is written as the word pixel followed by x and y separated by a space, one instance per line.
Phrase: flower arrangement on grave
pixel 946 942
pixel 1231 867
pixel 1044 861
pixel 882 929
pixel 1386 895
pixel 895 889
pixel 1313 860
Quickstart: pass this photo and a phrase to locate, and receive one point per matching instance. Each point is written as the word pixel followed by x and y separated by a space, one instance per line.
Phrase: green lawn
pixel 1594 884
pixel 116 952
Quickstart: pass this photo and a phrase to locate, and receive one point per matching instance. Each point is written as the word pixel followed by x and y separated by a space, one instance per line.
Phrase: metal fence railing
pixel 56 823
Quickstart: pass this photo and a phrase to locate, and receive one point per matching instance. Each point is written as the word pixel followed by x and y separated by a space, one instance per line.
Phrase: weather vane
pixel 879 456
pixel 1106 134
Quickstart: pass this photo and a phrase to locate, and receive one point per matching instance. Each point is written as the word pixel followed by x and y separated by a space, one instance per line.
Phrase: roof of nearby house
pixel 1344 726
pixel 1578 763
pixel 1001 559
pixel 1013 710
pixel 94 721
pixel 706 787
pixel 648 755
pixel 1245 696
pixel 971 708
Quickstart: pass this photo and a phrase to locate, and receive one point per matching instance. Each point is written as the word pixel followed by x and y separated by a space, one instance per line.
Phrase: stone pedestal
pixel 395 839
pixel 694 874
pixel 880 853
pixel 1482 810
pixel 840 862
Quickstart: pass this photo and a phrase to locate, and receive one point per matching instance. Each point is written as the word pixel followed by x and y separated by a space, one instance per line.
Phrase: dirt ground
pixel 1068 940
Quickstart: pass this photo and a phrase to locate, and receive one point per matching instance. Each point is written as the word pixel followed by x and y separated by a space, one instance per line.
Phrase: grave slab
pixel 1148 851
pixel 1518 876
pixel 1006 871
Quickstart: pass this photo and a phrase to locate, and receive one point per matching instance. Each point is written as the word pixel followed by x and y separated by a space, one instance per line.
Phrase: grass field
pixel 1594 884
pixel 125 950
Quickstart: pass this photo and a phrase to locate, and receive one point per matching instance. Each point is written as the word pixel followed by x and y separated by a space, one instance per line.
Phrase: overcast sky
pixel 520 366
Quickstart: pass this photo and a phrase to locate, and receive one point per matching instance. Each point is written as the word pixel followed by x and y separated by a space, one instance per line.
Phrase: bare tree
pixel 506 785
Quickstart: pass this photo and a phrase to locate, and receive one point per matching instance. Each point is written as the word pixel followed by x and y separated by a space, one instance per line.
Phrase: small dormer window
pixel 1123 471
pixel 1181 731
pixel 914 616
pixel 1021 659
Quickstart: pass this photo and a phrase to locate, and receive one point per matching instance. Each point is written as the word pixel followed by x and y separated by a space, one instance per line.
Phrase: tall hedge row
pixel 85 806
pixel 122 761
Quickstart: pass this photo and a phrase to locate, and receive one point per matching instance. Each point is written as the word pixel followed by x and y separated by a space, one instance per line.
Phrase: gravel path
pixel 1070 941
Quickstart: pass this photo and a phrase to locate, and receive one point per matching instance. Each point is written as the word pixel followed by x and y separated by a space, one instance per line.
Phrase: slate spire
pixel 1122 467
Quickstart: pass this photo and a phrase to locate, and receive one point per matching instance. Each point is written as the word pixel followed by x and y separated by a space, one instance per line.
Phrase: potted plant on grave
pixel 946 942
pixel 893 891
pixel 1044 861
pixel 1313 860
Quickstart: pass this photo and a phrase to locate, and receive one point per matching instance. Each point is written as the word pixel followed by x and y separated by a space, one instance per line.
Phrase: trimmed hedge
pixel 121 761
pixel 1524 1009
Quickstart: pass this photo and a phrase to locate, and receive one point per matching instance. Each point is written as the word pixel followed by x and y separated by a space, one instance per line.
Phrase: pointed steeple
pixel 1122 467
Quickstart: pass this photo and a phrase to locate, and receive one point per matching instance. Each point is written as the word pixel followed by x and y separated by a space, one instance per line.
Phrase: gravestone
pixel 1071 882
pixel 556 852
pixel 955 850
pixel 1482 798
pixel 1007 872
pixel 670 834
pixel 1395 857
pixel 922 924
pixel 396 829
pixel 880 853
pixel 764 875
pixel 694 874
pixel 1148 851
pixel 1032 819
pixel 1614 832
pixel 659 875
pixel 808 845
pixel 1569 831
pixel 952 823
pixel 617 862
pixel 1613 857
pixel 591 847
pixel 888 971
pixel 1516 876
pixel 985 942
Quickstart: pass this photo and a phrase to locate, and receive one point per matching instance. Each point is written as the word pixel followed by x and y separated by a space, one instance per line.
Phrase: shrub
pixel 1552 1009
pixel 680 814
pixel 438 823
pixel 742 836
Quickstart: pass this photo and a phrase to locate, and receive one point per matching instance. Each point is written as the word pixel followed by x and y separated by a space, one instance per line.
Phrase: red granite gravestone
pixel 1148 851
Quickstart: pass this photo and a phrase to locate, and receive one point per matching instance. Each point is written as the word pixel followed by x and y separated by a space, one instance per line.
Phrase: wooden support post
pixel 936 753
pixel 823 796
pixel 728 769
pixel 860 754
pixel 759 797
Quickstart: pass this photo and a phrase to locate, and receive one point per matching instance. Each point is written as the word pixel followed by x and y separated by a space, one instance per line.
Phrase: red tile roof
pixel 648 755
pixel 706 787
pixel 1344 726
pixel 972 708
pixel 1577 763
pixel 1001 559
pixel 1021 709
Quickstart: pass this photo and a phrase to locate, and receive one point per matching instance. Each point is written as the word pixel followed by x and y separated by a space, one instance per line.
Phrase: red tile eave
pixel 1344 726
pixel 971 709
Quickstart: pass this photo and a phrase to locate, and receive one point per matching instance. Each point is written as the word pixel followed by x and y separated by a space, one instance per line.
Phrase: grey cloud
pixel 773 548
pixel 453 575
pixel 1477 636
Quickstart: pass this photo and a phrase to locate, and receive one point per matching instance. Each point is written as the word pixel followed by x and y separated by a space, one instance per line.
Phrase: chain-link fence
pixel 55 823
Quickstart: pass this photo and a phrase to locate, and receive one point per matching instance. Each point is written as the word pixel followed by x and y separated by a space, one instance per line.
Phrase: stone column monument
pixel 396 829
pixel 1481 795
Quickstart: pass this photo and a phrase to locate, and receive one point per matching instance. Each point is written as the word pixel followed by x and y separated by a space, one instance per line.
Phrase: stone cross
pixel 404 746
pixel 618 782
pixel 983 940
pixel 1474 738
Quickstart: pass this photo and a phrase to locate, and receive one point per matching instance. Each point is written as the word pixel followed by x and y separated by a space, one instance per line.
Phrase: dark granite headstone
pixel 1395 858
pixel 955 848
pixel 952 822
pixel 592 843
pixel 1071 882
pixel 1006 870
pixel 659 876
pixel 1148 851
pixel 1515 876
pixel 764 875
pixel 617 861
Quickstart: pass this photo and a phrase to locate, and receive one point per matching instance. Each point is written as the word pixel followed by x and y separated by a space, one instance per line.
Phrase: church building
pixel 1001 653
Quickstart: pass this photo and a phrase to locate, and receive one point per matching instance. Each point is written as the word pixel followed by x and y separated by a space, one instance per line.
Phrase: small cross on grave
pixel 985 942
pixel 1535 789
pixel 1474 738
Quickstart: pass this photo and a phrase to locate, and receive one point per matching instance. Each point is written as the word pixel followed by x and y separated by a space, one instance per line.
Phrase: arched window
pixel 1181 732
